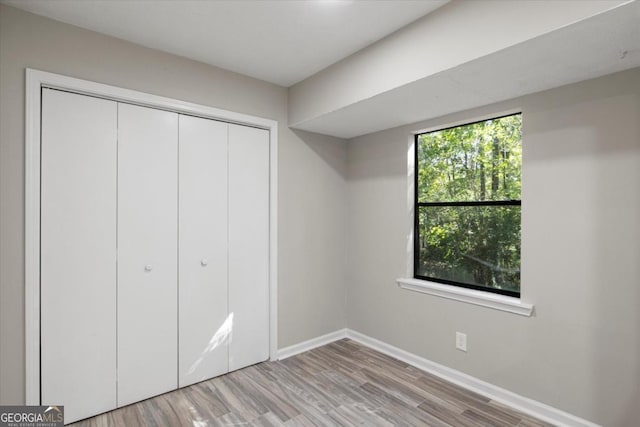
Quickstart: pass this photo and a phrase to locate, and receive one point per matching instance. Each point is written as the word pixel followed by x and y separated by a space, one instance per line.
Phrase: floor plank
pixel 339 384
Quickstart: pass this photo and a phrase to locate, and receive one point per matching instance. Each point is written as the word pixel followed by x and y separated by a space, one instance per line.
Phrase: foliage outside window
pixel 467 222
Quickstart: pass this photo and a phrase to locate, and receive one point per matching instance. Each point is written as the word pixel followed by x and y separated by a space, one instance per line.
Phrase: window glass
pixel 468 186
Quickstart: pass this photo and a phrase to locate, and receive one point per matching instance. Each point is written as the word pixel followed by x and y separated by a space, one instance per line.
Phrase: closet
pixel 154 251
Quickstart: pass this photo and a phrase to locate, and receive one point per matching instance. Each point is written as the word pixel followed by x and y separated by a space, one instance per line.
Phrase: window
pixel 467 205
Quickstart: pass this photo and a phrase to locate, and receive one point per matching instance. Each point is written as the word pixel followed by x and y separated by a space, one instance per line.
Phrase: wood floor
pixel 339 384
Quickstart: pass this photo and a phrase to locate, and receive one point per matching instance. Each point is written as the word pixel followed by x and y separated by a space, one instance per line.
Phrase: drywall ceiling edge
pixel 601 44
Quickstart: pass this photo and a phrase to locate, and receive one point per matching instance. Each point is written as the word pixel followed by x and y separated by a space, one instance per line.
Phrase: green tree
pixel 472 244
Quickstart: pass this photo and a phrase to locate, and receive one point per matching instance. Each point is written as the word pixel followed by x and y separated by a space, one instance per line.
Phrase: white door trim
pixel 35 81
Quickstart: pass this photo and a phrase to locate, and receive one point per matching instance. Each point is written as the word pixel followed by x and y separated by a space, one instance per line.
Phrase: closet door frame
pixel 36 80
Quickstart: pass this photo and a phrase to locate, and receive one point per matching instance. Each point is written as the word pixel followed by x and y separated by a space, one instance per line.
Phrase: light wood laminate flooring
pixel 339 384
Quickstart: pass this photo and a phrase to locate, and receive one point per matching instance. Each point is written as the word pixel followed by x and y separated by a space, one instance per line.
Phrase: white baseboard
pixel 292 350
pixel 523 404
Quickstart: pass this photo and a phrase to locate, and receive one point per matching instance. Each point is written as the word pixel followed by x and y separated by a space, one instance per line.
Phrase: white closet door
pixel 78 253
pixel 147 252
pixel 204 324
pixel 248 245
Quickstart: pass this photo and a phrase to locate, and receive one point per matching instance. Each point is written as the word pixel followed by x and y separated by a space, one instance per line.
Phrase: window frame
pixel 417 204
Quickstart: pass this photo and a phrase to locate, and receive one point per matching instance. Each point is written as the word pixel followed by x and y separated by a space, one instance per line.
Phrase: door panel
pixel 204 325
pixel 248 245
pixel 147 252
pixel 78 253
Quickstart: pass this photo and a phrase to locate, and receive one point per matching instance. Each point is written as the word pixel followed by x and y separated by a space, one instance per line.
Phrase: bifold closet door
pixel 248 245
pixel 78 253
pixel 147 252
pixel 204 322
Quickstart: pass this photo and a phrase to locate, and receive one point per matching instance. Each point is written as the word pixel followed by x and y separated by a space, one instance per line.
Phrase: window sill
pixel 470 296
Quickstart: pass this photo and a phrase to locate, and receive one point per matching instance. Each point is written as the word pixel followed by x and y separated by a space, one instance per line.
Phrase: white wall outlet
pixel 461 341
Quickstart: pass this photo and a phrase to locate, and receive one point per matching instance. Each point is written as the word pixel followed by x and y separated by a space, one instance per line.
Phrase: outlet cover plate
pixel 461 341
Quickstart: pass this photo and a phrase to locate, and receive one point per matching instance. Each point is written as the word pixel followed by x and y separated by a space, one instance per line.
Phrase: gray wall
pixel 312 171
pixel 580 352
pixel 581 225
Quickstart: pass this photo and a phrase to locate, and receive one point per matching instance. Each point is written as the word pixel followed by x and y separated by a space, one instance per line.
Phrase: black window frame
pixel 416 216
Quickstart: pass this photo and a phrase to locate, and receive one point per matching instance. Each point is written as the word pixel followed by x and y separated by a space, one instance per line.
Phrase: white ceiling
pixel 603 44
pixel 282 42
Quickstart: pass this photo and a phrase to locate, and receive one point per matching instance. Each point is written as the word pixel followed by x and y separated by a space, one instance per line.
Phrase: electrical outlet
pixel 461 341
